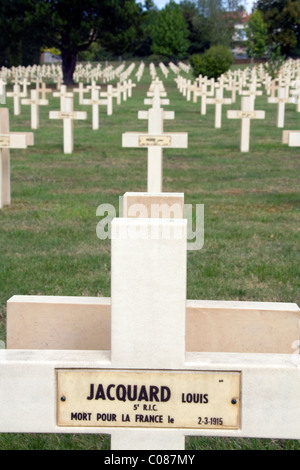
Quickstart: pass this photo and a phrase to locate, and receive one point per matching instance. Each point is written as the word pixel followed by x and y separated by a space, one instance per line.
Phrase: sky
pixel 248 4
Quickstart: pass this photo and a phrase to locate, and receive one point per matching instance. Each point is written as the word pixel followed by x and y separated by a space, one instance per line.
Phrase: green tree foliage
pixel 213 63
pixel 210 22
pixel 283 22
pixel 73 25
pixel 170 32
pixel 17 44
pixel 144 46
pixel 256 32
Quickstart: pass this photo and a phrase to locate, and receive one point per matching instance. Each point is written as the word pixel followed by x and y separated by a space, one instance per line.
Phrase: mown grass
pixel 48 242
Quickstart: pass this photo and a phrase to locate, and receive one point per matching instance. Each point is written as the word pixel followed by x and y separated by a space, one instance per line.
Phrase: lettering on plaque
pixel 4 141
pixel 153 399
pixel 66 115
pixel 153 140
pixel 246 114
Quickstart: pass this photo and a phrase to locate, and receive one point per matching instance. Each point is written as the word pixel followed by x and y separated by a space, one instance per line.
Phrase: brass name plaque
pixel 4 141
pixel 153 140
pixel 66 115
pixel 154 399
pixel 246 114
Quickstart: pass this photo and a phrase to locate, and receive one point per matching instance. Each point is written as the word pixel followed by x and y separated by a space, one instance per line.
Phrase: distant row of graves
pixel 30 87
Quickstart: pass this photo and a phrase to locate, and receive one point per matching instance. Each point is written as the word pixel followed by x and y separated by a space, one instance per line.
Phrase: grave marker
pixel 155 140
pixel 62 94
pixel 218 101
pixel 81 91
pixel 43 90
pixel 16 94
pixel 281 101
pixel 110 93
pixel 34 103
pixel 9 140
pixel 152 392
pixel 147 390
pixel 95 102
pixel 68 115
pixel 246 114
pixel 292 138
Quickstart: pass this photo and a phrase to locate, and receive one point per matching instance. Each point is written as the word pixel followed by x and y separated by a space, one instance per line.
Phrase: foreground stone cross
pixel 9 140
pixel 144 378
pixel 68 115
pixel 245 115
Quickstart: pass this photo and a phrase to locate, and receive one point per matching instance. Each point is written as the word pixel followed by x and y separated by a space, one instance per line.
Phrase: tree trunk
pixel 68 66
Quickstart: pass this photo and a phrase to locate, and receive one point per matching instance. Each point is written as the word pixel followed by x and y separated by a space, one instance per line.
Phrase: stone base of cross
pixel 292 138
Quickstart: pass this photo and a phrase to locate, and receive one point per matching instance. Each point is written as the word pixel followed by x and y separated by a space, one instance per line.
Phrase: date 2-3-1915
pixel 210 421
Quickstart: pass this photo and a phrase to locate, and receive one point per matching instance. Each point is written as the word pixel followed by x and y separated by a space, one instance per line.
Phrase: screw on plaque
pixel 233 401
pixel 63 398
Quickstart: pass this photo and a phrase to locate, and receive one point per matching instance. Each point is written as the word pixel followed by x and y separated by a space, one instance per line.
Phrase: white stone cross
pixel 34 103
pixel 154 369
pixel 156 97
pixel 68 115
pixel 141 380
pixel 16 94
pixel 218 101
pixel 24 84
pixel 80 90
pixel 155 119
pixel 281 99
pixel 9 140
pixel 62 94
pixel 245 114
pixel 93 86
pixel 204 93
pixel 252 91
pixel 2 91
pixel 155 140
pixel 130 85
pixel 43 90
pixel 110 93
pixel 95 101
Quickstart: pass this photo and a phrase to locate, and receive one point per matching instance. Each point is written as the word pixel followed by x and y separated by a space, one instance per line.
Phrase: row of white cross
pixel 145 388
pixel 206 89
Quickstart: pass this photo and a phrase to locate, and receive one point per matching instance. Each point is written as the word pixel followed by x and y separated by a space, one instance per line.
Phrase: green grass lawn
pixel 48 242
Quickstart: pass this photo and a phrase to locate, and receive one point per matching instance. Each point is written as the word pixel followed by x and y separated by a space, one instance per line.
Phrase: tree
pixel 73 25
pixel 219 18
pixel 149 14
pixel 283 22
pixel 170 32
pixel 256 31
pixel 17 44
pixel 198 27
pixel 213 63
